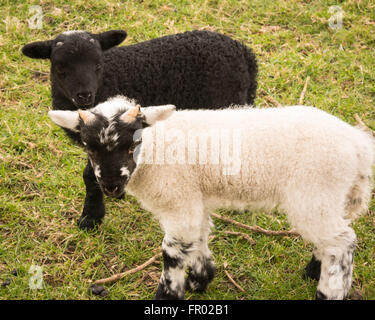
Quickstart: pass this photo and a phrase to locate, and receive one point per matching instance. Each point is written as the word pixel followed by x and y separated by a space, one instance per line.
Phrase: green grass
pixel 41 189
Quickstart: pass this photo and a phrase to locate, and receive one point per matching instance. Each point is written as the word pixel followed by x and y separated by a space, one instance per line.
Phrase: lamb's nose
pixel 84 97
pixel 110 189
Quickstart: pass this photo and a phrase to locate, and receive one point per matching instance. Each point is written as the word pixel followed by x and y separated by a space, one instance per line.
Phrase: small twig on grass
pixel 6 124
pixel 121 275
pixel 24 164
pixel 230 277
pixel 272 101
pixel 268 98
pixel 302 96
pixel 256 228
pixel 244 235
pixel 362 124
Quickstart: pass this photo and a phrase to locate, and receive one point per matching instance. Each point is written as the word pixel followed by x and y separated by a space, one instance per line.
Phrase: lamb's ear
pixel 86 116
pixel 65 119
pixel 111 38
pixel 154 114
pixel 131 115
pixel 38 50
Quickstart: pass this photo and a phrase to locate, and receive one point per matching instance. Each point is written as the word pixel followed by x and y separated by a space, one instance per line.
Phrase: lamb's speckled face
pixel 108 132
pixel 110 146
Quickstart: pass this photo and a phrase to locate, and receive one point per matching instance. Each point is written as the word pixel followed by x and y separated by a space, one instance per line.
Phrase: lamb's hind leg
pixel 337 266
pixel 332 264
pixel 312 270
pixel 322 222
pixel 336 258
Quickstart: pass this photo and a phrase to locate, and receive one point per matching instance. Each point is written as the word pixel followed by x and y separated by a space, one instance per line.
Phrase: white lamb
pixel 311 165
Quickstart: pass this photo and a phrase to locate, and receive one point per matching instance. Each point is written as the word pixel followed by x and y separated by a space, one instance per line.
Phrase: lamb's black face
pixel 76 62
pixel 110 149
pixel 77 67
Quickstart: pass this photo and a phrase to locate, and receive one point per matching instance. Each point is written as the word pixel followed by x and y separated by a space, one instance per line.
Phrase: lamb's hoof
pixel 88 223
pixel 312 270
pixel 162 293
pixel 199 282
pixel 195 286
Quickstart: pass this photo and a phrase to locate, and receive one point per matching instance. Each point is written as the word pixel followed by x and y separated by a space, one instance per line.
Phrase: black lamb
pixel 191 70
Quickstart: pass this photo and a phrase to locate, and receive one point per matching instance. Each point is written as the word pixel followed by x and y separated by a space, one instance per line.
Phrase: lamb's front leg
pixel 94 209
pixel 172 281
pixel 201 264
pixel 201 271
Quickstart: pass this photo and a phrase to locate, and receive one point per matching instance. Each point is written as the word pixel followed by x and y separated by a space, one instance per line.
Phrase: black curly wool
pixel 198 69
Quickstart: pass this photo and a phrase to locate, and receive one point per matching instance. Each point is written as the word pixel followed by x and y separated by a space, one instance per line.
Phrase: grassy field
pixel 41 186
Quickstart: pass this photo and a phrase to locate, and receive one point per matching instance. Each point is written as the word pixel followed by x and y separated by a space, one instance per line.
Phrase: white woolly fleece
pixel 301 159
